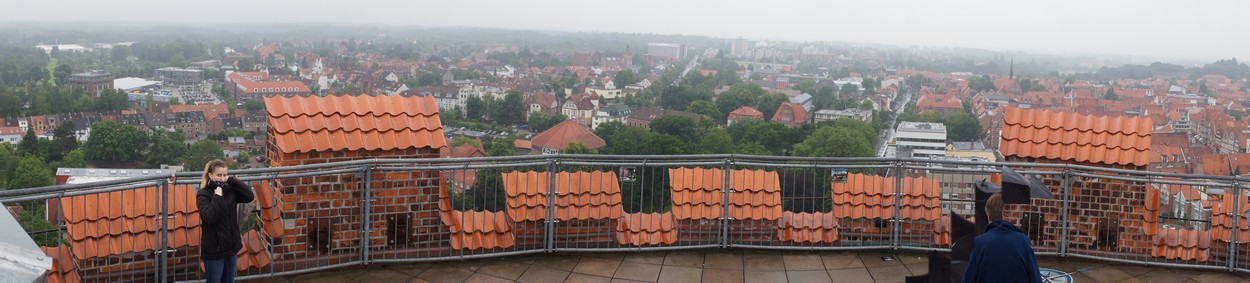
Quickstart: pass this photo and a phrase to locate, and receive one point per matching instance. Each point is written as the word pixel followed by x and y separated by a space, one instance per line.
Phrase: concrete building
pixel 179 76
pixel 93 81
pixel 853 113
pixel 921 140
pixel 666 50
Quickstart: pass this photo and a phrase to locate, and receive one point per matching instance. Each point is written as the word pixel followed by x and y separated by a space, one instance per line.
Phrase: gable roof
pixel 304 124
pixel 1117 140
pixel 559 136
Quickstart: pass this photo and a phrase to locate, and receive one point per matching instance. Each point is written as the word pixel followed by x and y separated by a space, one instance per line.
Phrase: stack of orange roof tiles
pixel 269 200
pixel 123 222
pixel 1222 220
pixel 476 229
pixel 942 231
pixel 698 196
pixel 872 197
pixel 579 195
pixel 1183 244
pixel 819 227
pixel 642 229
pixel 254 253
pixel 62 265
pixel 586 204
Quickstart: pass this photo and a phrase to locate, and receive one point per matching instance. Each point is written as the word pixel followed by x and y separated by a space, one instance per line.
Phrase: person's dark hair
pixel 208 169
pixel 994 207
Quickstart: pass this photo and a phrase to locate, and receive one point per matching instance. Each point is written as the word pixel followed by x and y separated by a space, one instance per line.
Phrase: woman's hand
pixel 217 191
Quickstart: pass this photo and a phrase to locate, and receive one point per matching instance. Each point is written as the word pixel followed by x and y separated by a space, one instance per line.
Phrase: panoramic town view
pixel 562 141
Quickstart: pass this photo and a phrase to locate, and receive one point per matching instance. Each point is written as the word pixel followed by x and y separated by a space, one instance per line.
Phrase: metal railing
pixel 381 211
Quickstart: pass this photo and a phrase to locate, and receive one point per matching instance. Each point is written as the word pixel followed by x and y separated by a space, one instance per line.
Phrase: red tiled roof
pixel 790 114
pixel 820 227
pixel 520 143
pixel 254 254
pixel 580 195
pixel 62 265
pixel 1076 137
pixel 871 196
pixel 942 231
pixel 304 124
pixel 747 111
pixel 939 101
pixel 559 136
pixel 643 229
pixel 1150 215
pixel 698 194
pixel 122 222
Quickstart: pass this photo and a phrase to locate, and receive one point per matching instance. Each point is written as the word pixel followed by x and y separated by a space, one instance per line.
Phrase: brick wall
pixel 322 215
pixel 1113 203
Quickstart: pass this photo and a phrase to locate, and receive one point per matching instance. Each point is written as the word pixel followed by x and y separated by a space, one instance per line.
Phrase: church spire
pixel 1011 74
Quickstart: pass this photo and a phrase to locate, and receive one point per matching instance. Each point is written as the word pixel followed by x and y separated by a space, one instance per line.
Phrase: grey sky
pixel 1170 29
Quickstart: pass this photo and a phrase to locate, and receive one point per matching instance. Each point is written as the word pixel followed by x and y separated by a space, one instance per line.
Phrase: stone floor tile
pixel 803 262
pixel 722 276
pixel 813 276
pixel 597 267
pixel 638 272
pixel 678 274
pixel 537 274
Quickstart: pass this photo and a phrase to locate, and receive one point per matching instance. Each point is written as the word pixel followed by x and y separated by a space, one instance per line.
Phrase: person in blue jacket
pixel 1002 253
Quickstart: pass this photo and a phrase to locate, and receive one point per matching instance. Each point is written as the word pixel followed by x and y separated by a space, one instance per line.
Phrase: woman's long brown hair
pixel 208 169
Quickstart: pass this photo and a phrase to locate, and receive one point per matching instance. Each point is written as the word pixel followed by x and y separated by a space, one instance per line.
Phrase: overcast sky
pixel 1169 29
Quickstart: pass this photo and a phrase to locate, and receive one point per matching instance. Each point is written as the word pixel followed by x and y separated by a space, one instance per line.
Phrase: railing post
pixel 1232 244
pixel 366 203
pixel 1063 214
pixel 724 219
pixel 550 224
pixel 162 257
pixel 897 223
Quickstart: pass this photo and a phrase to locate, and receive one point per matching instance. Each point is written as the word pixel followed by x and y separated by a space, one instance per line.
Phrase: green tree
pixel 540 121
pixel 201 153
pixel 848 90
pixel 769 103
pixel 834 142
pixel 426 79
pixel 113 141
pixel 74 159
pixel 177 61
pixel 1110 94
pixel 513 108
pixel 62 72
pixel 607 131
pixel 167 147
pixel 577 148
pixel 502 147
pixel 253 105
pixel 705 108
pixel 30 173
pixel 64 139
pixel 982 83
pixel 716 141
pixel 458 141
pixel 753 148
pixel 624 78
pixel 29 143
pixel 678 126
pixel 914 82
pixel 474 108
pixel 737 96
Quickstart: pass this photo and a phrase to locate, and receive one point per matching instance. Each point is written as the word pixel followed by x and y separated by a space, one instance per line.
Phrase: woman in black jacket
pixel 220 239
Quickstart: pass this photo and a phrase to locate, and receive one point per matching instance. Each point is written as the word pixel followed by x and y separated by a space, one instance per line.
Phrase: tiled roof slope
pixel 254 254
pixel 311 123
pixel 580 195
pixel 643 229
pixel 269 200
pixel 1082 138
pixel 62 265
pixel 475 229
pixel 698 193
pixel 559 136
pixel 1182 244
pixel 871 196
pixel 820 227
pixel 122 222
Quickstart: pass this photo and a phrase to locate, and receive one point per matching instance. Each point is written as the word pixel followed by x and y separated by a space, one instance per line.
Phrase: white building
pixel 853 113
pixel 668 50
pixel 920 140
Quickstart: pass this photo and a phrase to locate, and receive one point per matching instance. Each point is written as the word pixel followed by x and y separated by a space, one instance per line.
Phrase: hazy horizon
pixel 1153 29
